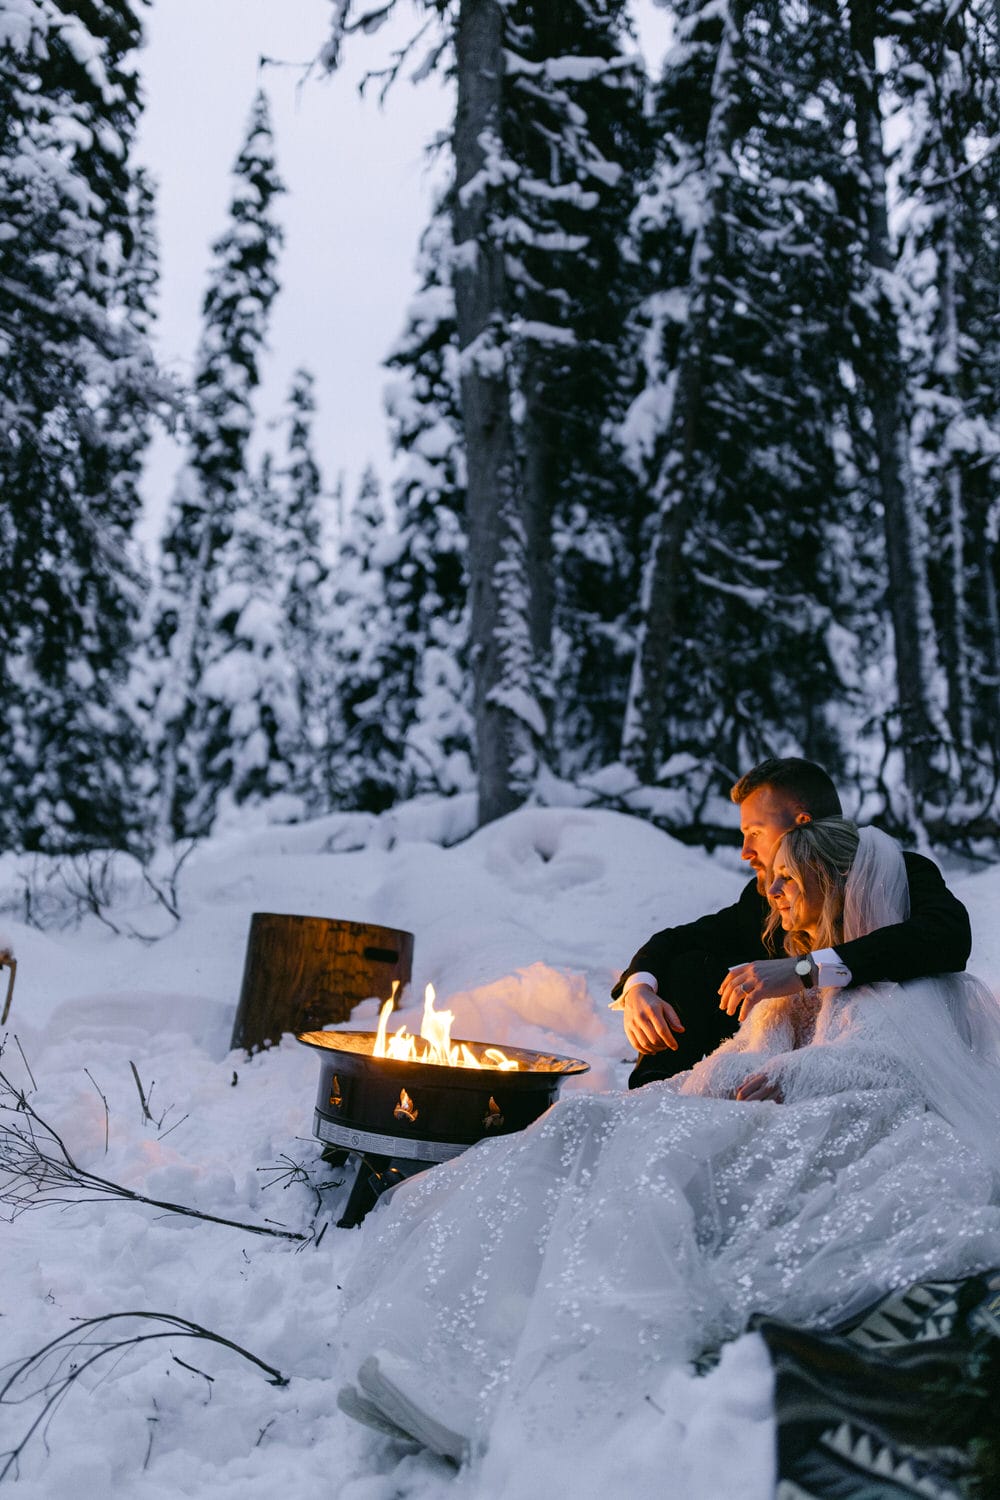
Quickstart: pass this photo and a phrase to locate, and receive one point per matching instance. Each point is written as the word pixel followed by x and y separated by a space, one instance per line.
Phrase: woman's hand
pixel 748 984
pixel 759 1086
pixel 650 1022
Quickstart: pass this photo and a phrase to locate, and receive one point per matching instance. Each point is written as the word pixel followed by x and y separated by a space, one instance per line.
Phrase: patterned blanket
pixel 899 1404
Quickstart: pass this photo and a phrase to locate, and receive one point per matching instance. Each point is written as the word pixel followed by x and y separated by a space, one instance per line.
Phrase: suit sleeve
pixel 729 936
pixel 935 939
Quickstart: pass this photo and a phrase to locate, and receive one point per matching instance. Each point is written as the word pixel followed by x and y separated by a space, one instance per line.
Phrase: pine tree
pixel 674 482
pixel 78 386
pixel 251 714
pixel 575 141
pixel 944 70
pixel 811 399
pixel 194 733
pixel 424 688
pixel 881 362
pixel 544 101
pixel 362 749
pixel 297 488
pixel 745 232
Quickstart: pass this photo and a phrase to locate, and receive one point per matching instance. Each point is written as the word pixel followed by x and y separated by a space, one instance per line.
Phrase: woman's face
pixel 797 899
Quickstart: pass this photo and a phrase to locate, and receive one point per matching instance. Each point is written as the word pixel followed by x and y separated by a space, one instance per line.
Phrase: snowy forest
pixel 696 423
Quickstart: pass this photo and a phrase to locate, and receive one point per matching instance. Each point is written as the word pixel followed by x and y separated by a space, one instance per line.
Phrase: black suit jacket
pixel 935 939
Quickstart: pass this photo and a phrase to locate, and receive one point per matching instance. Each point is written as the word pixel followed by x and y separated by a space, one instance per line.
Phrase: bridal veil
pixel 945 1029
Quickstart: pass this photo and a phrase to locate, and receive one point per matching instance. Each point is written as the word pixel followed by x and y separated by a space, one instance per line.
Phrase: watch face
pixel 803 967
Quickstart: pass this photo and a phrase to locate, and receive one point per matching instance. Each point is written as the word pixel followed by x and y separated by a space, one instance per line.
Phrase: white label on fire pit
pixel 383 1145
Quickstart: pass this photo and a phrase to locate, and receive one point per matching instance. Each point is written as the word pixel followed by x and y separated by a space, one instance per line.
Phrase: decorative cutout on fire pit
pixel 493 1118
pixel 405 1109
pixel 336 1097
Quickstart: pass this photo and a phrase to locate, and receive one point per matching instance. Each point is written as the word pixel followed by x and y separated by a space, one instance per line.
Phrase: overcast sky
pixel 359 191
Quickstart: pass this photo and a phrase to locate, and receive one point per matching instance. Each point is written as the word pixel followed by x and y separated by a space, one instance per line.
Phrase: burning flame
pixel 434 1044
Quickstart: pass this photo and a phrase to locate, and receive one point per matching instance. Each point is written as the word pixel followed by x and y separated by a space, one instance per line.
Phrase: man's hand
pixel 749 984
pixel 759 1086
pixel 650 1022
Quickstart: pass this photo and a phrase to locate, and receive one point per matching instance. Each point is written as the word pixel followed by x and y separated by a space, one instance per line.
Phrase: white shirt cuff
pixel 831 971
pixel 641 976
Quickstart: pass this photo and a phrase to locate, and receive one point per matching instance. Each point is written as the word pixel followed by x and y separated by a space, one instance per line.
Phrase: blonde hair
pixel 824 849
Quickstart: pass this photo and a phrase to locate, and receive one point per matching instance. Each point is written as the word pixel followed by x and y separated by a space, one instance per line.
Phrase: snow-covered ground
pixel 521 928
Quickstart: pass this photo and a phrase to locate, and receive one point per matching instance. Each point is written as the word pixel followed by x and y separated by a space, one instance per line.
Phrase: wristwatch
pixel 804 969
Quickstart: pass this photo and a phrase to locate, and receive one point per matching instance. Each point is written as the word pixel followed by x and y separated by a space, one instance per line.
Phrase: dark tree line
pixel 77 386
pixel 752 439
pixel 695 419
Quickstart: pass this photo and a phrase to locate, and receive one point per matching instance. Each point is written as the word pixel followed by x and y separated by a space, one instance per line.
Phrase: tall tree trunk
pixel 673 490
pixel 948 158
pixel 509 722
pixel 991 610
pixel 539 482
pixel 908 592
pixel 955 635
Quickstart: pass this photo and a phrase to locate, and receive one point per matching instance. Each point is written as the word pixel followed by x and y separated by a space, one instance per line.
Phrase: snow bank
pixel 522 928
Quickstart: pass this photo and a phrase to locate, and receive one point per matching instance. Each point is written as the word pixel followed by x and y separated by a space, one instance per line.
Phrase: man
pixel 688 987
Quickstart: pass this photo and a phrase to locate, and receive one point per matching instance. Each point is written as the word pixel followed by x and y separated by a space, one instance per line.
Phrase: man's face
pixel 765 817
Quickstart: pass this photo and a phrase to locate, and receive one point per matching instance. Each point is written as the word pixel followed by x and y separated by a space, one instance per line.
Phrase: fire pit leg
pixel 366 1178
pixel 365 1190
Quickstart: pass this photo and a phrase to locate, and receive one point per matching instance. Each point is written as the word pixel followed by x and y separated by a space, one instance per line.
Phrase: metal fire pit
pixel 384 1119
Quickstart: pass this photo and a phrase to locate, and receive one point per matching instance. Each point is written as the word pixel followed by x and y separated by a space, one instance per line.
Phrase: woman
pixel 538 1286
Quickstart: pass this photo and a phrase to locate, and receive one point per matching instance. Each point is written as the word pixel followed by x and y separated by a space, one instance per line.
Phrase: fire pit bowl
pixel 361 1103
pixel 399 1116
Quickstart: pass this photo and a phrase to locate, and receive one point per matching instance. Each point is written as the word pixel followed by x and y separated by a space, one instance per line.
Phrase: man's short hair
pixel 803 780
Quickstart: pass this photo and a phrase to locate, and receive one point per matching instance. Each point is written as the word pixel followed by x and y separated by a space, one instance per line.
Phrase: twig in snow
pixel 64 1359
pixel 166 891
pixel 147 1113
pixel 193 1368
pixel 286 1171
pixel 162 1134
pixel 107 1114
pixel 151 1422
pixel 142 1096
pixel 36 1169
pixel 17 1044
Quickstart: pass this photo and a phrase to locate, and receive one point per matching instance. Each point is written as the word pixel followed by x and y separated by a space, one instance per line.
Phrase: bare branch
pixel 107 1114
pixel 166 894
pixel 36 1169
pixel 61 1362
pixel 142 1097
pixel 27 1065
pixel 285 1171
pixel 970 166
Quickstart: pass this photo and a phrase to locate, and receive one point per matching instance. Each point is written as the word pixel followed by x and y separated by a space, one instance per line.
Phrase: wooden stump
pixel 301 973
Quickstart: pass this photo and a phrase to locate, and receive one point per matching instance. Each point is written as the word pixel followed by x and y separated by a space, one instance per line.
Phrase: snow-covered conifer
pixel 362 750
pixel 944 74
pixel 882 364
pixel 189 723
pixel 730 431
pixel 77 385
pixel 297 514
pixel 250 716
pixel 425 689
pixel 575 139
pixel 544 133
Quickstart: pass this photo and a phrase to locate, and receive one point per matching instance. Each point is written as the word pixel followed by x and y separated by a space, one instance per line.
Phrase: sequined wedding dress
pixel 539 1285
